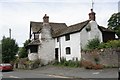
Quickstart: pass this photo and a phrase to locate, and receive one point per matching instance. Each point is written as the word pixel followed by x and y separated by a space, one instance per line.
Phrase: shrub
pixel 98 66
pixel 92 44
pixel 87 64
pixel 63 60
pixel 90 65
pixel 95 44
pixel 24 63
pixel 33 64
pixel 110 44
pixel 70 63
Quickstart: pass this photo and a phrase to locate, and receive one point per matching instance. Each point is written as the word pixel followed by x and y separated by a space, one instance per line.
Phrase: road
pixel 61 73
pixel 32 75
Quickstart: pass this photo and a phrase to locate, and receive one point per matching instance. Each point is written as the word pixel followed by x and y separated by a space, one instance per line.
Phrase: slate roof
pixel 103 29
pixel 60 29
pixel 34 42
pixel 36 26
pixel 55 27
pixel 72 29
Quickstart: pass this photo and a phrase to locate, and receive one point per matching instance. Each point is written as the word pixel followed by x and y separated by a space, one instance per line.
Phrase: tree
pixel 23 51
pixel 9 49
pixel 114 23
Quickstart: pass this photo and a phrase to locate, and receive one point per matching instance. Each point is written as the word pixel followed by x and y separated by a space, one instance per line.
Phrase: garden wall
pixel 106 57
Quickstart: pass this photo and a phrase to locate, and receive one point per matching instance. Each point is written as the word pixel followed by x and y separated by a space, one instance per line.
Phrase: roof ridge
pixel 49 22
pixel 105 29
pixel 56 23
pixel 78 23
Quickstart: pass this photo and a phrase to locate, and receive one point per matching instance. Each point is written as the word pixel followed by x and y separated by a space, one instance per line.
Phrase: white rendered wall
pixel 73 43
pixel 93 33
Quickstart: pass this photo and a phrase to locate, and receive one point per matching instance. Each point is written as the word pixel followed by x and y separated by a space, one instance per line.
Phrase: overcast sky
pixel 17 14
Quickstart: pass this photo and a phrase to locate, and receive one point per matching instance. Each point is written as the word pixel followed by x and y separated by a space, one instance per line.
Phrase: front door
pixel 56 53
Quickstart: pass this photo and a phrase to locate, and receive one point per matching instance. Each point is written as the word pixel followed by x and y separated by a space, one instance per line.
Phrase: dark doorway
pixel 56 53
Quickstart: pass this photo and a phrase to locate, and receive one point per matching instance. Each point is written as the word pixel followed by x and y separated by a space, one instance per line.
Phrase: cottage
pixel 52 41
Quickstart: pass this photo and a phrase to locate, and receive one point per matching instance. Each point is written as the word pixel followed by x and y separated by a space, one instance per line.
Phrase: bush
pixel 110 44
pixel 33 64
pixel 89 65
pixel 98 66
pixel 93 44
pixel 70 63
pixel 24 63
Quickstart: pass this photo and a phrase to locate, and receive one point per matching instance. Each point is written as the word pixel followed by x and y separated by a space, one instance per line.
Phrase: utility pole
pixel 92 4
pixel 10 33
pixel 119 6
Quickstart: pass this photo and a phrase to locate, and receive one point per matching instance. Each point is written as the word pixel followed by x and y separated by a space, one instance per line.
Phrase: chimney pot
pixel 46 19
pixel 92 15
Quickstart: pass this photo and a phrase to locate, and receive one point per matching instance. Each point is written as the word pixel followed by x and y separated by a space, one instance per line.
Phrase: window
pixel 36 35
pixel 67 37
pixel 34 49
pixel 68 51
pixel 58 39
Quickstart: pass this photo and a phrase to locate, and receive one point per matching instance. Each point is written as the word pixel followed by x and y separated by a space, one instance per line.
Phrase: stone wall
pixel 106 57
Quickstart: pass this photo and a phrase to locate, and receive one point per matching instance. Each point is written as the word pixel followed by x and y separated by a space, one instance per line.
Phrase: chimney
pixel 46 19
pixel 92 15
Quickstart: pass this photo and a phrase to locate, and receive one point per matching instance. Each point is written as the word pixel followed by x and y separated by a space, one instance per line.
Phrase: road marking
pixel 96 73
pixel 14 77
pixel 56 76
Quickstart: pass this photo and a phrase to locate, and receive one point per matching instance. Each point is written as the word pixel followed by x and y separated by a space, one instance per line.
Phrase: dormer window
pixel 88 28
pixel 67 37
pixel 36 36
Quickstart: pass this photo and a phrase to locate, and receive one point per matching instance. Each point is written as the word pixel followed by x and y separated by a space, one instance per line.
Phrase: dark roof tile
pixel 34 42
pixel 103 29
pixel 60 29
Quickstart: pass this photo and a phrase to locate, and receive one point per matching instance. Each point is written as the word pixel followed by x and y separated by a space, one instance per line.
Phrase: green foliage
pixel 9 49
pixel 110 44
pixel 32 64
pixel 23 51
pixel 114 23
pixel 70 63
pixel 26 42
pixel 25 63
pixel 93 44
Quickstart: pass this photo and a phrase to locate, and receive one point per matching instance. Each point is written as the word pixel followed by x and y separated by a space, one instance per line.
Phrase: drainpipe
pixel 30 32
pixel 60 47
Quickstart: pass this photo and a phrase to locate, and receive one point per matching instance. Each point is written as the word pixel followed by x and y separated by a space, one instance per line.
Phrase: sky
pixel 17 14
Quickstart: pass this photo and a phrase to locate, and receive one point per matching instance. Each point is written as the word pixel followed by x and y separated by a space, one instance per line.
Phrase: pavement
pixel 77 72
pixel 51 72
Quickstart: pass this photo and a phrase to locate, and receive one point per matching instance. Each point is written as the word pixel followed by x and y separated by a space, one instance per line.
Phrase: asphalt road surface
pixel 61 73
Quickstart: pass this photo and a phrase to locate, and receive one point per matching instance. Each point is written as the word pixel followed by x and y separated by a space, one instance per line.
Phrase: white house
pixel 50 41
